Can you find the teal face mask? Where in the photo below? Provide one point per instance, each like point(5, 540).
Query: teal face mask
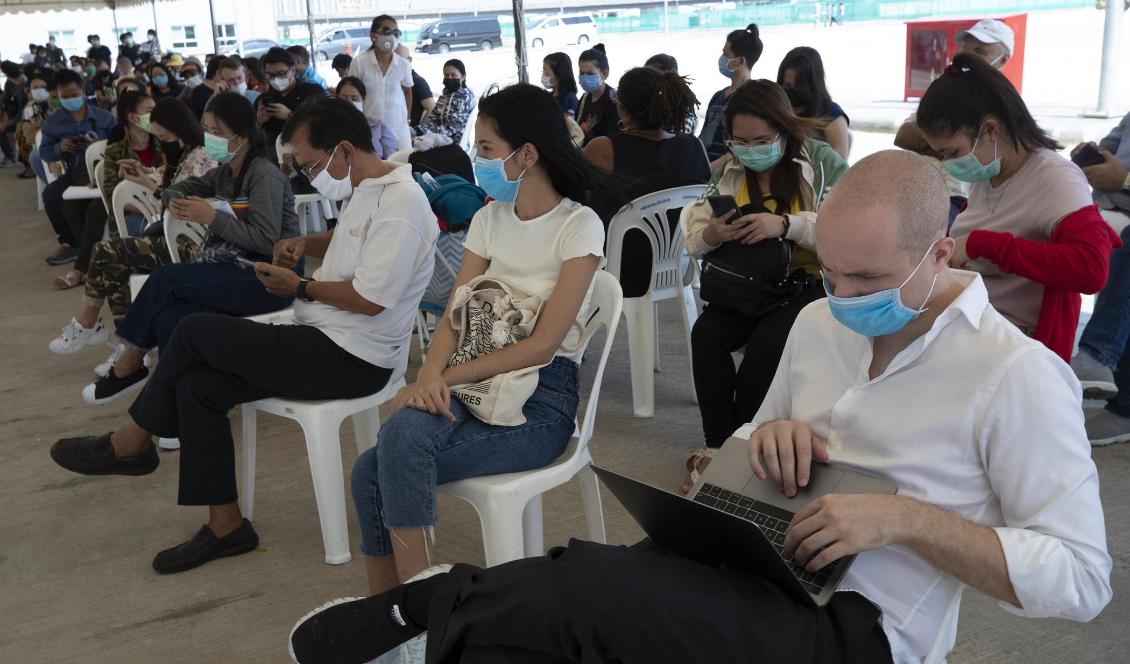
point(967, 168)
point(216, 147)
point(880, 313)
point(758, 158)
point(73, 104)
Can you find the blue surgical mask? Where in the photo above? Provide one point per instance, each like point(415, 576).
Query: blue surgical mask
point(880, 313)
point(491, 174)
point(724, 65)
point(216, 147)
point(73, 104)
point(759, 158)
point(252, 95)
point(590, 82)
point(160, 80)
point(969, 169)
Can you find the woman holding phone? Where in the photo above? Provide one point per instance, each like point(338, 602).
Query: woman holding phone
point(772, 167)
point(255, 209)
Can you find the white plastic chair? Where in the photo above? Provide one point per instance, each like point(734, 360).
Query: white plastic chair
point(947, 633)
point(466, 141)
point(427, 312)
point(40, 185)
point(672, 277)
point(509, 505)
point(94, 153)
point(321, 425)
point(131, 193)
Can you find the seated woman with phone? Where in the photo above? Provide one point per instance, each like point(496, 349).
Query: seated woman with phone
point(1031, 229)
point(755, 233)
point(181, 143)
point(261, 213)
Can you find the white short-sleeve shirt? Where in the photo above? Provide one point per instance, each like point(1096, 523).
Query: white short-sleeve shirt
point(384, 243)
point(1028, 205)
point(530, 253)
point(384, 94)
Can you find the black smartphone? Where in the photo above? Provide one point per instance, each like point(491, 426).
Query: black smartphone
point(1088, 155)
point(721, 205)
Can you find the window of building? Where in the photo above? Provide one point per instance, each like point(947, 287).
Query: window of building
point(64, 39)
point(225, 35)
point(184, 36)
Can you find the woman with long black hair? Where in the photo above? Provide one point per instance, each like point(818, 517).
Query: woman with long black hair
point(537, 178)
point(801, 74)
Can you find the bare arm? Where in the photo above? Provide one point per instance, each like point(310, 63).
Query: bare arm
point(342, 295)
point(316, 245)
point(909, 137)
point(836, 134)
point(407, 99)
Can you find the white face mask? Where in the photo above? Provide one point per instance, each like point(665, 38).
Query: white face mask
point(547, 81)
point(241, 88)
point(331, 187)
point(359, 105)
point(280, 83)
point(387, 43)
point(193, 81)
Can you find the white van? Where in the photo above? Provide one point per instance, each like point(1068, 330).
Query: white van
point(561, 29)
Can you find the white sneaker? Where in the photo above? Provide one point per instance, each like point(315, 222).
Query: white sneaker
point(75, 337)
point(103, 370)
point(168, 443)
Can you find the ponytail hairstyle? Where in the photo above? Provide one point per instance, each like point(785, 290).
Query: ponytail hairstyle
point(663, 62)
point(597, 56)
point(969, 91)
point(746, 44)
point(238, 114)
point(766, 100)
point(656, 100)
point(562, 68)
point(526, 114)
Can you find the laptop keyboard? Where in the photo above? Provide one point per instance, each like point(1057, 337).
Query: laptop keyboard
point(773, 522)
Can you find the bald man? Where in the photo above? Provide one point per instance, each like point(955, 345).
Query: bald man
point(905, 372)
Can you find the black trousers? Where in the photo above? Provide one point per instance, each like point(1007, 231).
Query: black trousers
point(213, 363)
point(729, 398)
point(594, 603)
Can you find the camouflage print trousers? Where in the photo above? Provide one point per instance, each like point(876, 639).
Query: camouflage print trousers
point(115, 260)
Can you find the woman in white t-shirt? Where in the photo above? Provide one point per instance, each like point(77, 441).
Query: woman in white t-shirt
point(1030, 228)
point(533, 235)
point(388, 79)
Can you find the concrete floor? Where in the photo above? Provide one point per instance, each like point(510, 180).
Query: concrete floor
point(75, 577)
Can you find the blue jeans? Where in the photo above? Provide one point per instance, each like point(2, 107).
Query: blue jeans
point(394, 484)
point(172, 292)
point(53, 207)
point(1108, 330)
point(37, 166)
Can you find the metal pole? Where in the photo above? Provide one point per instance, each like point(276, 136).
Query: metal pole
point(1108, 79)
point(310, 28)
point(212, 18)
point(114, 14)
point(153, 4)
point(520, 41)
point(666, 20)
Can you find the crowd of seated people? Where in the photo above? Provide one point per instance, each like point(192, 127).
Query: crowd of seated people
point(849, 289)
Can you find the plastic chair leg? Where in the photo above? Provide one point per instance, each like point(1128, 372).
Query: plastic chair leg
point(533, 537)
point(366, 426)
point(594, 511)
point(688, 307)
point(655, 337)
point(502, 531)
point(247, 505)
point(640, 316)
point(323, 446)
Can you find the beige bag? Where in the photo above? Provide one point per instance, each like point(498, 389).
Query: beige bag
point(488, 314)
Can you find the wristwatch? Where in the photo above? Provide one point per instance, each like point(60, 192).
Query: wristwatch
point(300, 291)
point(788, 223)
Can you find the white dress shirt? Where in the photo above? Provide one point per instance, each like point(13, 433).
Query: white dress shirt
point(973, 417)
point(384, 92)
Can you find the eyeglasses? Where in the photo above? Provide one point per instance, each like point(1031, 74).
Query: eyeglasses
point(746, 144)
point(389, 31)
point(309, 172)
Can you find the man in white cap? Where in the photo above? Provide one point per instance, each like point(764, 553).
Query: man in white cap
point(992, 41)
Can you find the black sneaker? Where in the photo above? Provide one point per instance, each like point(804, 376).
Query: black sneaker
point(110, 387)
point(94, 455)
point(65, 254)
point(205, 547)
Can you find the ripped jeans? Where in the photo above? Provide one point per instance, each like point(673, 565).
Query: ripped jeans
point(394, 484)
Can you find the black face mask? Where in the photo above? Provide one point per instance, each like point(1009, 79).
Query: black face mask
point(170, 147)
point(803, 103)
point(452, 84)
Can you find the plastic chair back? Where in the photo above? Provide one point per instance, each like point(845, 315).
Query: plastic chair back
point(100, 182)
point(649, 214)
point(94, 153)
point(467, 140)
point(131, 193)
point(176, 228)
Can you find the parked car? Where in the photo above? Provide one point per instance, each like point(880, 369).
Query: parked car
point(562, 29)
point(482, 34)
point(249, 48)
point(333, 42)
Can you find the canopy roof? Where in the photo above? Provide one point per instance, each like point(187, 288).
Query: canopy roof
point(13, 6)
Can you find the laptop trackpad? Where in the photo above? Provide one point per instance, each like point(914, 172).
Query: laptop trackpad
point(823, 480)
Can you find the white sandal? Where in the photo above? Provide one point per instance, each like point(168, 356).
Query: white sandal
point(695, 467)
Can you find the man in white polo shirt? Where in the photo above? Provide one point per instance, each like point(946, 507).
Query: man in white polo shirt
point(355, 319)
point(906, 372)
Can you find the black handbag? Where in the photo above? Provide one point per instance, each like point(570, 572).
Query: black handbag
point(751, 279)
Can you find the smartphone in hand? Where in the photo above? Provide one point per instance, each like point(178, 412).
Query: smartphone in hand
point(721, 205)
point(243, 262)
point(1088, 155)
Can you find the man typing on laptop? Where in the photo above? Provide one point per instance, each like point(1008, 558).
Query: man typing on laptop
point(905, 373)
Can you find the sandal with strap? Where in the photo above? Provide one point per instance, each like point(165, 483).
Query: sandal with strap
point(696, 465)
point(70, 280)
